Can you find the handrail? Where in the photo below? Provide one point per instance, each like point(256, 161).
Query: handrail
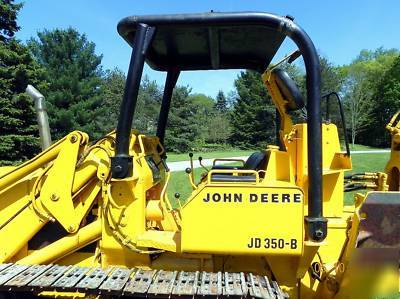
point(232, 172)
point(327, 96)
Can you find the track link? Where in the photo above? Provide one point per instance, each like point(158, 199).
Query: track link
point(139, 283)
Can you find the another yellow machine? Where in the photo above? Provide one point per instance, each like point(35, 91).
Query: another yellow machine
point(93, 218)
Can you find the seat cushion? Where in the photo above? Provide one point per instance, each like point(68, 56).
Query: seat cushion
point(251, 178)
point(255, 161)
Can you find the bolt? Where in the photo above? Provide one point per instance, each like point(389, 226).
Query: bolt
point(319, 234)
point(118, 168)
point(54, 197)
point(289, 17)
point(73, 138)
point(71, 228)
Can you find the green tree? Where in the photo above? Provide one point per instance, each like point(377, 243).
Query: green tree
point(331, 81)
point(148, 106)
point(18, 127)
point(253, 114)
point(182, 130)
point(331, 78)
point(8, 19)
point(112, 92)
point(74, 74)
point(221, 104)
point(204, 108)
point(359, 86)
point(386, 101)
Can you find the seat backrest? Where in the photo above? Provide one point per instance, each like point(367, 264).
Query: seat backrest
point(289, 90)
point(255, 161)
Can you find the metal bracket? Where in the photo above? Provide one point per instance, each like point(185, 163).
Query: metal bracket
point(317, 228)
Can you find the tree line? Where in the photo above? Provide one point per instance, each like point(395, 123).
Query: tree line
point(81, 95)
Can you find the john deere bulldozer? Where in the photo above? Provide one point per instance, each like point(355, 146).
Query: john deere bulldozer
point(93, 218)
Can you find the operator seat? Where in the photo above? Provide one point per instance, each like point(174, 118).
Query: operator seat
point(254, 162)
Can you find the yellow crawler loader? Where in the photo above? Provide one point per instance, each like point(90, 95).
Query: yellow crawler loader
point(93, 218)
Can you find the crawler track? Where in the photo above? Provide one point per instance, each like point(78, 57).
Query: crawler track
point(115, 281)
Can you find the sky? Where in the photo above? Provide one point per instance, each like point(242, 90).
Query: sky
point(339, 29)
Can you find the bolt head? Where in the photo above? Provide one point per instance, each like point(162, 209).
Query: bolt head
point(319, 233)
point(73, 138)
point(54, 197)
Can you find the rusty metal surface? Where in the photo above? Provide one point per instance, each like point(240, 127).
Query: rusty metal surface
point(162, 284)
point(115, 282)
point(210, 284)
point(92, 279)
point(71, 278)
point(380, 220)
point(49, 276)
point(278, 292)
point(137, 282)
point(234, 285)
point(259, 287)
point(186, 284)
point(4, 266)
point(10, 272)
point(27, 276)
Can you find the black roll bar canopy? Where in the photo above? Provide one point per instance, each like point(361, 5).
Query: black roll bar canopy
point(175, 43)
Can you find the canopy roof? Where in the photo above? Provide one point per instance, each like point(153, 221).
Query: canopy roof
point(208, 40)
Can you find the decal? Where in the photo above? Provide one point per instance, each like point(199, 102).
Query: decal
point(253, 197)
point(272, 243)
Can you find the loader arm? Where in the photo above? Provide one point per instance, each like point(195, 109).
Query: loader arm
point(49, 188)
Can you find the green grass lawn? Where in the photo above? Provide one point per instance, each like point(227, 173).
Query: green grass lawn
point(208, 155)
point(361, 163)
point(179, 182)
point(366, 163)
point(360, 147)
point(172, 157)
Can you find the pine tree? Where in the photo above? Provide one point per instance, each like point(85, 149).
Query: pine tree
point(147, 107)
point(8, 19)
point(253, 115)
point(18, 127)
point(112, 93)
point(74, 74)
point(221, 104)
point(182, 129)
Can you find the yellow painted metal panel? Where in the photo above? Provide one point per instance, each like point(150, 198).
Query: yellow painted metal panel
point(159, 239)
point(56, 192)
point(244, 220)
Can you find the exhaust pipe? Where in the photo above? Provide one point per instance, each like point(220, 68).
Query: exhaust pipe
point(41, 113)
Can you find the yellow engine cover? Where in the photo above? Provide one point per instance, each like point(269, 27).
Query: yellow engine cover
point(251, 219)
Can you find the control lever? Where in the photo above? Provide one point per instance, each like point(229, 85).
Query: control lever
point(201, 164)
point(163, 161)
point(191, 173)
